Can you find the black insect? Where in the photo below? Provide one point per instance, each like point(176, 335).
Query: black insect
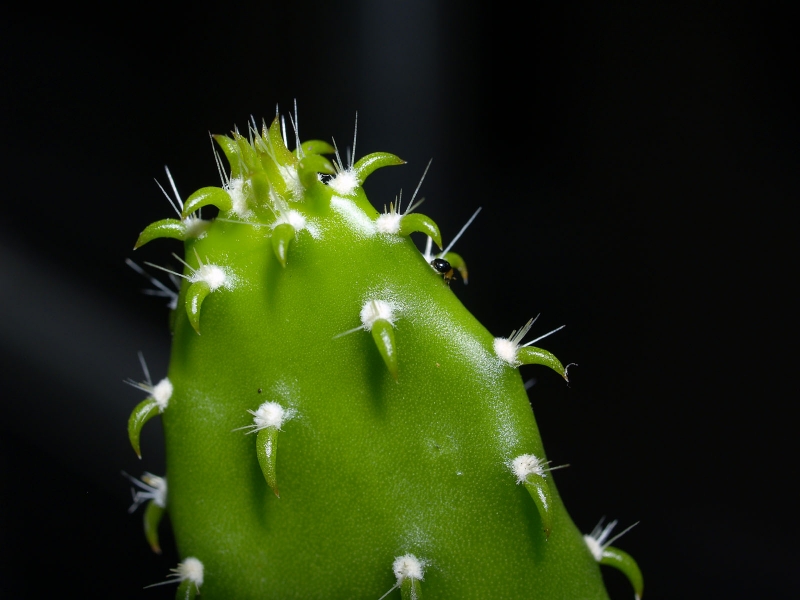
point(444, 269)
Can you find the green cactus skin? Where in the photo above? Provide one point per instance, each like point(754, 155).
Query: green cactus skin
point(337, 424)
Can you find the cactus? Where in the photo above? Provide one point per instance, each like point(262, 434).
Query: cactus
point(337, 424)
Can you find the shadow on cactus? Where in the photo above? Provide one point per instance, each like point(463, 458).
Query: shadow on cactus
point(337, 424)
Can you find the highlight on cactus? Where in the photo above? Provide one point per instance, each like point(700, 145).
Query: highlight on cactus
point(409, 454)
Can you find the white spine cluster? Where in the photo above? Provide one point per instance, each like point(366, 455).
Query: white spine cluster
point(598, 541)
point(345, 182)
point(527, 464)
point(151, 487)
point(388, 222)
point(190, 569)
point(235, 188)
point(269, 414)
point(160, 392)
point(213, 275)
point(507, 348)
point(293, 218)
point(292, 180)
point(374, 310)
point(408, 566)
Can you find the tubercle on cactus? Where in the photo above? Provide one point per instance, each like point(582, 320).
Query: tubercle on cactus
point(305, 316)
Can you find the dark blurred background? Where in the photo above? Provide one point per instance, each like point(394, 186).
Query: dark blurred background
point(635, 163)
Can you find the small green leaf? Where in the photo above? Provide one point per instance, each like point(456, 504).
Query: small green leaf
point(266, 450)
point(195, 295)
point(281, 154)
point(531, 355)
point(144, 411)
point(383, 334)
point(187, 590)
point(310, 147)
point(411, 589)
point(165, 228)
point(416, 222)
point(231, 150)
point(152, 517)
point(368, 164)
point(282, 235)
point(539, 489)
point(214, 196)
point(623, 561)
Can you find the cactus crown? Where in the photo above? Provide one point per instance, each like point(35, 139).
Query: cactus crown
point(306, 316)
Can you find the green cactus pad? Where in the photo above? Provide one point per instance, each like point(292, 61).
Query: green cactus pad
point(406, 418)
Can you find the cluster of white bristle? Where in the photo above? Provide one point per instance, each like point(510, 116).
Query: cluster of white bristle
point(374, 310)
point(160, 392)
point(151, 487)
point(269, 414)
point(527, 464)
point(407, 567)
point(507, 348)
point(598, 540)
point(190, 569)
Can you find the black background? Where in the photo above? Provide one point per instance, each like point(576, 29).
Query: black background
point(635, 164)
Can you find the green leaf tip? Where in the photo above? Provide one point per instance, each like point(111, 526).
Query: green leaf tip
point(266, 451)
point(268, 419)
point(179, 229)
point(189, 576)
point(409, 571)
point(509, 350)
point(144, 411)
point(383, 335)
point(530, 355)
point(281, 236)
point(599, 545)
point(207, 196)
point(153, 489)
point(411, 589)
point(195, 295)
point(367, 165)
point(153, 513)
point(624, 562)
point(531, 472)
point(378, 316)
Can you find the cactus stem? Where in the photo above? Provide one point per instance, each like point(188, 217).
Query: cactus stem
point(409, 571)
point(189, 574)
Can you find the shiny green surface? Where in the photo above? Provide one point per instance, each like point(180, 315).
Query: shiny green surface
point(401, 438)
